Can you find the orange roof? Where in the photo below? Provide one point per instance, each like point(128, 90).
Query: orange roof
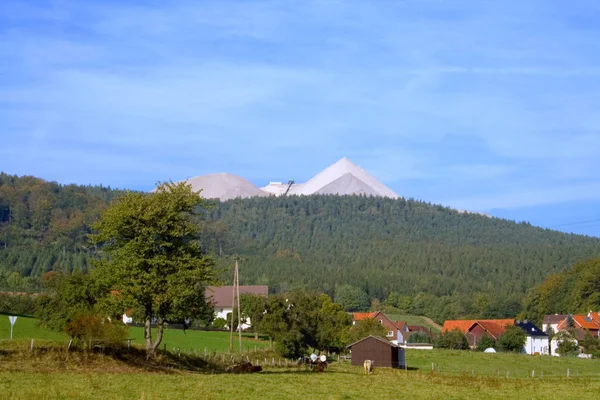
point(359, 316)
point(490, 325)
point(462, 325)
point(582, 321)
point(595, 316)
point(494, 329)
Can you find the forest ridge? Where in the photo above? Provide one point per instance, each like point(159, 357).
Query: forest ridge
point(409, 255)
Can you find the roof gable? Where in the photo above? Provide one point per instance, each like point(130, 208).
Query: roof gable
point(222, 296)
point(379, 338)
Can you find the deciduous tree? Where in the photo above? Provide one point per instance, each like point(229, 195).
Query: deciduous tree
point(155, 262)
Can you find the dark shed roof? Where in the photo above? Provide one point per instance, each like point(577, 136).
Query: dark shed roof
point(530, 328)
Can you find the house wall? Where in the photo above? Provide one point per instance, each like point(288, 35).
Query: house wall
point(536, 344)
point(221, 312)
point(383, 354)
point(476, 333)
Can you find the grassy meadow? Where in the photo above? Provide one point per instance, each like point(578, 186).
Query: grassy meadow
point(340, 381)
point(190, 340)
point(52, 371)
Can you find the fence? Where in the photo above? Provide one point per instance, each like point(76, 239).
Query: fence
point(507, 373)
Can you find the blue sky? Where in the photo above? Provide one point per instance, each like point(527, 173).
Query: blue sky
point(489, 106)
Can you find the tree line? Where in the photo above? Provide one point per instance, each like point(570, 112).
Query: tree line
point(400, 255)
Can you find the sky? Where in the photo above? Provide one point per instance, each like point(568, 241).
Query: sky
point(488, 106)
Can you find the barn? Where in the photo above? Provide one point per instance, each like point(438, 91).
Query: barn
point(378, 349)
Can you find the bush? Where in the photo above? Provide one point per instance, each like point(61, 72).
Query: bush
point(419, 337)
point(92, 330)
point(512, 340)
point(486, 342)
point(453, 340)
point(567, 346)
point(220, 323)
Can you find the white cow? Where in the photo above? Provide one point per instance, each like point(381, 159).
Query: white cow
point(368, 364)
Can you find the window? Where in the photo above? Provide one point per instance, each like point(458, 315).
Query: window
point(390, 334)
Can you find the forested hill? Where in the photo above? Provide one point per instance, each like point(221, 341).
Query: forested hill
point(443, 262)
point(415, 257)
point(44, 227)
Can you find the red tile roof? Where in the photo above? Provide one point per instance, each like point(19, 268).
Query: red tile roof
point(462, 325)
point(223, 296)
point(494, 326)
point(359, 316)
point(400, 325)
point(581, 321)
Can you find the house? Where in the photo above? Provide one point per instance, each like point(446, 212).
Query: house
point(552, 321)
point(222, 298)
point(537, 341)
point(588, 322)
point(474, 330)
point(397, 331)
point(383, 352)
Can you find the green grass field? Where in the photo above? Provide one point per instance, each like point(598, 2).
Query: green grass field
point(199, 340)
point(338, 382)
point(53, 372)
point(27, 328)
point(459, 362)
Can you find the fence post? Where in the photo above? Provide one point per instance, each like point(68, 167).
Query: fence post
point(31, 349)
point(432, 367)
point(69, 346)
point(533, 373)
point(507, 374)
point(568, 372)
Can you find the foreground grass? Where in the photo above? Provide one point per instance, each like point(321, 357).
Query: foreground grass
point(500, 364)
point(339, 382)
point(53, 372)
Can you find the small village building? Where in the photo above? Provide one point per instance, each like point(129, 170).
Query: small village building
point(221, 298)
point(552, 321)
point(537, 341)
point(475, 330)
point(391, 328)
point(397, 332)
point(384, 353)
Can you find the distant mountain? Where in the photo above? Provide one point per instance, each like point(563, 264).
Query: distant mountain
point(341, 178)
point(224, 186)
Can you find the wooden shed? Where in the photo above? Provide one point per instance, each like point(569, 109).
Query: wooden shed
point(378, 349)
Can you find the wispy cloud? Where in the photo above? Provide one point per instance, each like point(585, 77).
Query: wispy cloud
point(476, 104)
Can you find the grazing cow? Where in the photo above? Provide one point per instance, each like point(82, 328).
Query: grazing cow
point(368, 364)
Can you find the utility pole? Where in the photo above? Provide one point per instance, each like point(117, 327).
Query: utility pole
point(235, 301)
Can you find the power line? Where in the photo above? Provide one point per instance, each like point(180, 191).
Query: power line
point(575, 223)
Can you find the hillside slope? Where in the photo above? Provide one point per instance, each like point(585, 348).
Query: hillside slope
point(434, 260)
point(387, 245)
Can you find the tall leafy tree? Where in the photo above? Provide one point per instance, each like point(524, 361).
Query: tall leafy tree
point(155, 262)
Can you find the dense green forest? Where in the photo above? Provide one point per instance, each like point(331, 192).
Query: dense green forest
point(410, 255)
point(44, 227)
point(576, 290)
point(405, 255)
